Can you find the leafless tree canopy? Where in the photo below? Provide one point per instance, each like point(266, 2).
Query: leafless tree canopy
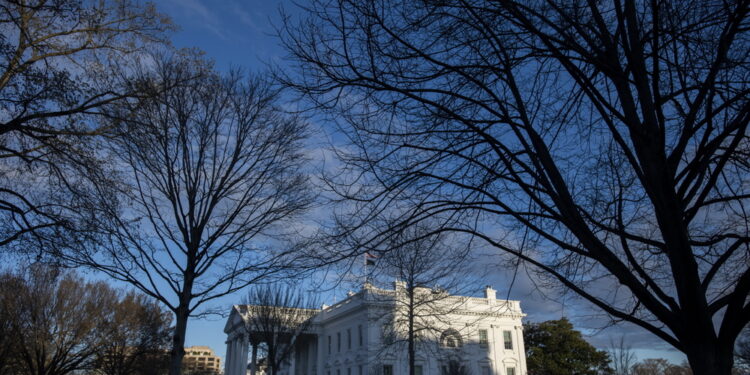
point(659, 366)
point(61, 63)
point(211, 170)
point(428, 267)
point(603, 143)
point(277, 317)
point(55, 323)
point(135, 337)
point(622, 356)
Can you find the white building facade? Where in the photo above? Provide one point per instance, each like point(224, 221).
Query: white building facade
point(365, 335)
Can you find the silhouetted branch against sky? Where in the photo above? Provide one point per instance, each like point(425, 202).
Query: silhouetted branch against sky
point(278, 316)
point(210, 173)
point(609, 142)
point(61, 64)
point(430, 272)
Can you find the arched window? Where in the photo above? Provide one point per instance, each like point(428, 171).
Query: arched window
point(451, 339)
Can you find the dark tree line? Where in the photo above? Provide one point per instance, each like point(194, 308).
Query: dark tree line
point(604, 144)
point(55, 323)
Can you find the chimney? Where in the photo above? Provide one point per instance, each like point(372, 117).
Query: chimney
point(490, 293)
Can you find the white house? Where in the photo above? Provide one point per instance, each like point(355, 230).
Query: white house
point(354, 337)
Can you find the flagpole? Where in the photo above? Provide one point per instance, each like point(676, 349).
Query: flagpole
point(367, 273)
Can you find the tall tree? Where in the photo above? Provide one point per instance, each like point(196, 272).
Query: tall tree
point(212, 169)
point(555, 348)
point(604, 144)
point(61, 63)
point(277, 316)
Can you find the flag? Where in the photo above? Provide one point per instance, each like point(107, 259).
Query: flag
point(370, 259)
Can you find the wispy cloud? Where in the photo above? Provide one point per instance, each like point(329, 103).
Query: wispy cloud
point(202, 14)
point(249, 19)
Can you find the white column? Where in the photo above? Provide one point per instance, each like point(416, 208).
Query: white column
point(293, 361)
point(237, 356)
point(238, 365)
point(228, 357)
point(321, 352)
point(243, 354)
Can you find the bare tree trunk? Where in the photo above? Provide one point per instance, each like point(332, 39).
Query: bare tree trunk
point(178, 340)
point(411, 350)
point(270, 361)
point(707, 358)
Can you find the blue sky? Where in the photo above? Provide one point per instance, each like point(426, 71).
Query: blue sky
point(238, 33)
point(232, 32)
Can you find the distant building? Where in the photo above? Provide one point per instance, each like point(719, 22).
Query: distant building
point(201, 360)
point(355, 337)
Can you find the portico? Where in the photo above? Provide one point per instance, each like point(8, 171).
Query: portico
point(350, 338)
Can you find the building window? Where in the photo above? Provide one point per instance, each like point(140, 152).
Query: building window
point(329, 344)
point(417, 370)
point(387, 335)
point(338, 342)
point(348, 371)
point(483, 340)
point(360, 369)
point(451, 339)
point(508, 338)
point(348, 338)
point(338, 372)
point(486, 370)
point(361, 337)
point(510, 371)
point(454, 367)
point(451, 342)
point(387, 369)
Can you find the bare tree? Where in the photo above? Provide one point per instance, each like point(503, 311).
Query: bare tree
point(427, 266)
point(56, 326)
point(212, 171)
point(61, 63)
point(602, 143)
point(622, 357)
point(659, 366)
point(277, 316)
point(136, 334)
